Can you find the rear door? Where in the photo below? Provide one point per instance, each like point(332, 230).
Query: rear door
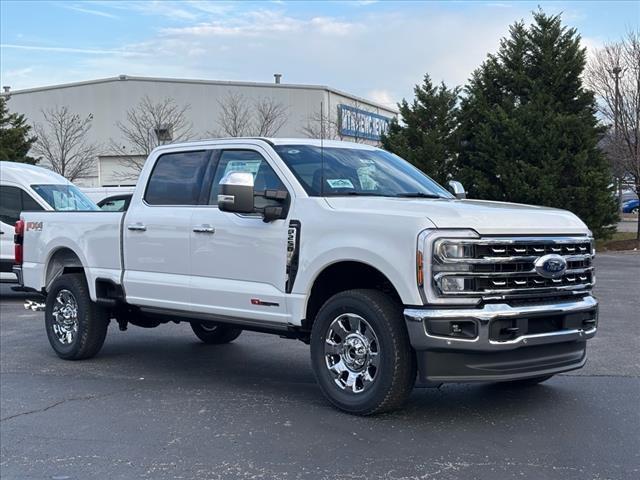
point(238, 262)
point(13, 201)
point(157, 231)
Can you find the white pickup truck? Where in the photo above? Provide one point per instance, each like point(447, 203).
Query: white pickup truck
point(390, 278)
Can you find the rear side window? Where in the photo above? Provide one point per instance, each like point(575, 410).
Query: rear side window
point(14, 200)
point(176, 178)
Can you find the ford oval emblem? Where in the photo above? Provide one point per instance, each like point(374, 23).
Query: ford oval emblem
point(551, 266)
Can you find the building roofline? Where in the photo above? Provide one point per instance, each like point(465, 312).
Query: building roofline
point(231, 83)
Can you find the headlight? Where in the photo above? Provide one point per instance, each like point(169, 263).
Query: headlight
point(441, 252)
point(456, 250)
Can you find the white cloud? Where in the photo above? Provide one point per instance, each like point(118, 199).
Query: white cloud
point(383, 97)
point(378, 54)
point(89, 11)
point(88, 51)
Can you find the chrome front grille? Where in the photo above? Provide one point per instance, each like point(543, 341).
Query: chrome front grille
point(506, 267)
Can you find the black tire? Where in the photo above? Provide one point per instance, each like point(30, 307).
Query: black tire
point(527, 382)
point(215, 334)
point(91, 323)
point(394, 376)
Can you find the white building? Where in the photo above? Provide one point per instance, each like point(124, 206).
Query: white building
point(108, 100)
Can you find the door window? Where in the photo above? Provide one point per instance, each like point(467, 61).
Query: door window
point(264, 177)
point(14, 200)
point(176, 178)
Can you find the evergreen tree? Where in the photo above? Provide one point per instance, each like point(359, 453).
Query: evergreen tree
point(528, 128)
point(427, 138)
point(15, 141)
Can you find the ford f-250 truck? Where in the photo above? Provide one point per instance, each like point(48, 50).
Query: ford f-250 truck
point(390, 278)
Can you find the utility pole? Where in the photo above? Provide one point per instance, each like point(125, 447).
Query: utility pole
point(616, 71)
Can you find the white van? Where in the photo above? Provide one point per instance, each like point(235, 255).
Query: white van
point(29, 188)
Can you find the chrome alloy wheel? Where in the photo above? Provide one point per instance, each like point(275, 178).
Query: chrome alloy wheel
point(65, 314)
point(352, 352)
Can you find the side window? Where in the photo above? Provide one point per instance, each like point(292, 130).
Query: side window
point(176, 178)
point(29, 204)
point(10, 204)
point(264, 177)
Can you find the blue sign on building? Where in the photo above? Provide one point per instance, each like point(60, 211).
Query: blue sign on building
point(358, 123)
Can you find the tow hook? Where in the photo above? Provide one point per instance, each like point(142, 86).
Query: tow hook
point(34, 306)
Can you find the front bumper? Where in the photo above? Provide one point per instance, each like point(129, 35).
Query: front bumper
point(499, 342)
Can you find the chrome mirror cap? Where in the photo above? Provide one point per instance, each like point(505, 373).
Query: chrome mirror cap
point(238, 178)
point(457, 189)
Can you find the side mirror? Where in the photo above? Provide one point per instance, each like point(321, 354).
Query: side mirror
point(236, 193)
point(457, 189)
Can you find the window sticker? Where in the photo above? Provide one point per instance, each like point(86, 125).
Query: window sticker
point(250, 166)
point(340, 183)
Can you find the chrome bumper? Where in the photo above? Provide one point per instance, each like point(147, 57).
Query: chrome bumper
point(417, 320)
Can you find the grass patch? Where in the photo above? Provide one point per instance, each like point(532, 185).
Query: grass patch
point(619, 241)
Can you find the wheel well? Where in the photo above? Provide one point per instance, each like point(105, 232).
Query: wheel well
point(62, 261)
point(342, 276)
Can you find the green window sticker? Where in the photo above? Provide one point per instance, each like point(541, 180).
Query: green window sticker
point(340, 183)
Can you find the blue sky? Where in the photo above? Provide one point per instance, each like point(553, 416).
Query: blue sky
point(375, 49)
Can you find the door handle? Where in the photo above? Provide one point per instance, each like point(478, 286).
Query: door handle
point(137, 227)
point(204, 229)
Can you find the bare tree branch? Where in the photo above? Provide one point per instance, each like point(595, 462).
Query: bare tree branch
point(63, 144)
point(620, 106)
point(239, 117)
point(148, 125)
point(621, 146)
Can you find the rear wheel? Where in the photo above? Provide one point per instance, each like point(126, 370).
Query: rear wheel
point(361, 354)
point(212, 333)
point(76, 326)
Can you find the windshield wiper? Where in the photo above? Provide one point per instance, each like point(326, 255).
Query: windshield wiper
point(418, 195)
point(357, 194)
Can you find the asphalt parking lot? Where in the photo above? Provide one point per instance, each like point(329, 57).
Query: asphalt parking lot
point(158, 404)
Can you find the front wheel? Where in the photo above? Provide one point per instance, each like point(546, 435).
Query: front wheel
point(212, 333)
point(360, 352)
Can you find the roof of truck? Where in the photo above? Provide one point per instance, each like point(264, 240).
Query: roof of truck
point(274, 141)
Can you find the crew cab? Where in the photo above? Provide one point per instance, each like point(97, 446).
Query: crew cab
point(391, 279)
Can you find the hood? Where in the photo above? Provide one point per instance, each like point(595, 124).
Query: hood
point(485, 217)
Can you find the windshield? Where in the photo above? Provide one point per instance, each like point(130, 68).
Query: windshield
point(353, 171)
point(64, 197)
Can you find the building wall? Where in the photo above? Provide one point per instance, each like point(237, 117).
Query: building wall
point(108, 101)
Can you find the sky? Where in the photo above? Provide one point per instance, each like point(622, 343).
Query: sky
point(375, 49)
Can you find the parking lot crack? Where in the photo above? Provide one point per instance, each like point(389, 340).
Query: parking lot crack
point(61, 402)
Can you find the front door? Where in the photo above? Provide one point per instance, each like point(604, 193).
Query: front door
point(238, 262)
point(157, 232)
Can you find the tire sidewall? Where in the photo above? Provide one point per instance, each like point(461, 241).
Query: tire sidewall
point(67, 282)
point(345, 400)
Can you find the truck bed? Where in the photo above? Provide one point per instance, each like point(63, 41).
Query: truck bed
point(94, 236)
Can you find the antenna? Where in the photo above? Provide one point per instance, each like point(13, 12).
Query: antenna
point(321, 149)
